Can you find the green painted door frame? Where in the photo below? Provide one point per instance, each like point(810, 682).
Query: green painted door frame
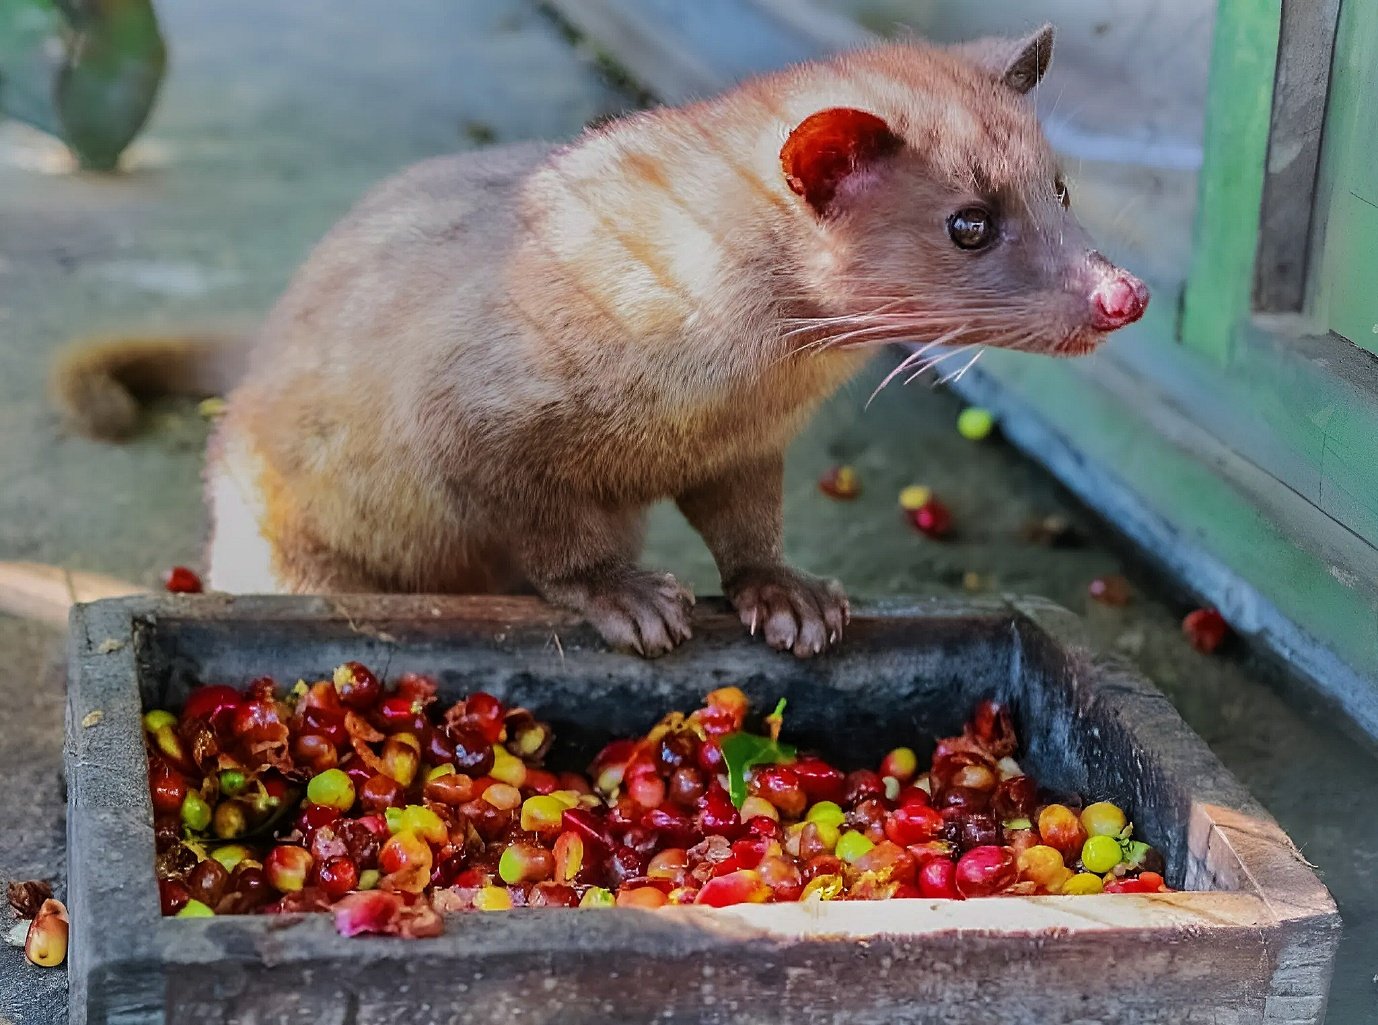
point(1239, 109)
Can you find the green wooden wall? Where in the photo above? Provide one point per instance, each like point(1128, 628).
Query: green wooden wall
point(1349, 289)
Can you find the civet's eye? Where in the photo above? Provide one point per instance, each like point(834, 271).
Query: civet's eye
point(972, 227)
point(1063, 196)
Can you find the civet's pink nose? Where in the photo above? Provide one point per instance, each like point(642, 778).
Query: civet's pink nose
point(1118, 300)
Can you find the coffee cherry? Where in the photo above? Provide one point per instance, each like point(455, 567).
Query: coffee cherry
point(492, 898)
point(172, 895)
point(381, 792)
point(452, 788)
point(781, 786)
point(862, 785)
point(338, 876)
point(758, 808)
point(402, 758)
point(1042, 865)
point(1206, 630)
point(646, 790)
point(1082, 883)
point(1060, 828)
point(214, 703)
point(597, 897)
point(841, 482)
point(914, 496)
point(196, 813)
point(851, 845)
point(826, 813)
point(1103, 819)
point(525, 863)
point(208, 881)
point(406, 860)
point(473, 753)
point(507, 767)
point(569, 856)
point(716, 814)
point(933, 519)
point(287, 867)
point(1015, 798)
point(890, 861)
point(332, 789)
point(358, 688)
point(641, 897)
point(1111, 590)
point(668, 864)
point(675, 751)
point(821, 781)
point(168, 787)
point(742, 887)
point(938, 879)
point(1100, 854)
point(486, 714)
point(975, 423)
point(180, 580)
point(661, 829)
point(984, 871)
point(901, 763)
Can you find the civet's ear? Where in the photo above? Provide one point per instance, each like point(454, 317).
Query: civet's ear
point(1018, 63)
point(831, 146)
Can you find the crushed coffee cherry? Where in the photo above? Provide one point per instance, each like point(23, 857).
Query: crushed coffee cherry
point(841, 482)
point(1205, 630)
point(932, 519)
point(1113, 590)
point(1053, 532)
point(45, 942)
point(180, 580)
point(27, 896)
point(386, 807)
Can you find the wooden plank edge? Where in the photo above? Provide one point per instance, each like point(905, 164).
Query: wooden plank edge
point(1253, 852)
point(46, 593)
point(512, 611)
point(1040, 919)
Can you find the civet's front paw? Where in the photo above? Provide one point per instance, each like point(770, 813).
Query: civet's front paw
point(794, 611)
point(644, 612)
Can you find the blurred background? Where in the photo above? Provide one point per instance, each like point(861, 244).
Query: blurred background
point(168, 165)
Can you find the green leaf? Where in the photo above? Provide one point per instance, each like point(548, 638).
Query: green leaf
point(742, 751)
point(107, 87)
point(87, 71)
point(1134, 852)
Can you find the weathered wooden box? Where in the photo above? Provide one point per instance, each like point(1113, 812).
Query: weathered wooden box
point(1254, 944)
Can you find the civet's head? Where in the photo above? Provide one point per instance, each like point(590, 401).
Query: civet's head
point(938, 207)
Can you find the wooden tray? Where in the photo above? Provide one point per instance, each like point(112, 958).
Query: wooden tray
point(1256, 944)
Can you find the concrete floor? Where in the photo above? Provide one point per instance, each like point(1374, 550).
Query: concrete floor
point(274, 119)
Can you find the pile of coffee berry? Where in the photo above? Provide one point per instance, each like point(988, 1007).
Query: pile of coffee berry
point(386, 807)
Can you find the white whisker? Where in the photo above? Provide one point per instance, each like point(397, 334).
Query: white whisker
point(954, 378)
point(942, 358)
point(911, 359)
